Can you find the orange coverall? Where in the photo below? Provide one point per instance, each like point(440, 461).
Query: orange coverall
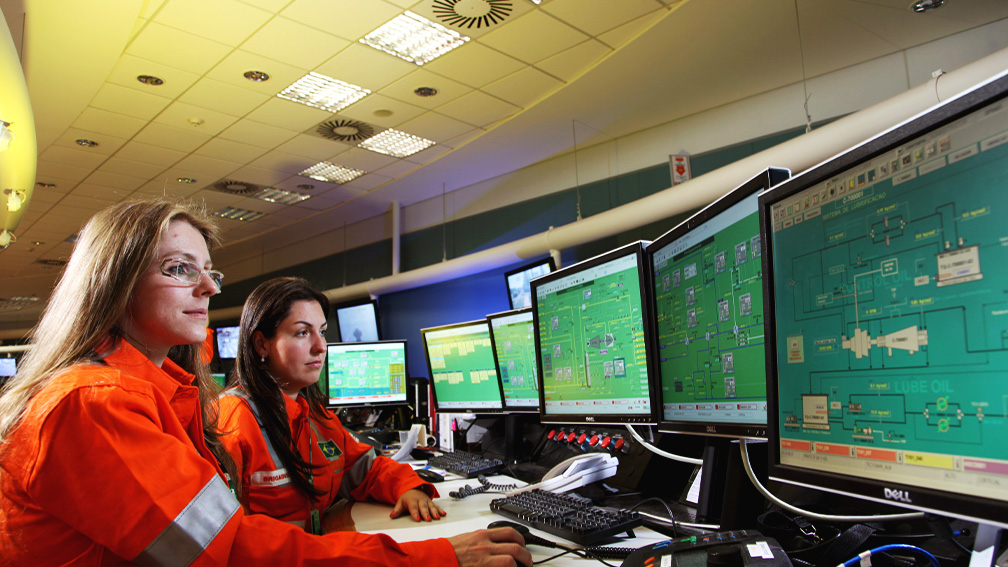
point(346, 468)
point(108, 466)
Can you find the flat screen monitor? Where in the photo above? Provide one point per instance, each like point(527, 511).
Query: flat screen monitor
point(227, 341)
point(707, 285)
point(366, 373)
point(519, 281)
point(512, 334)
point(593, 336)
point(462, 371)
point(885, 272)
point(8, 367)
point(358, 322)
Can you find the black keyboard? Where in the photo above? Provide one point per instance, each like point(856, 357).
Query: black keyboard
point(572, 518)
point(464, 463)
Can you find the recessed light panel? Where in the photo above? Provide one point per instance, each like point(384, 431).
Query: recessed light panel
point(323, 92)
point(395, 143)
point(414, 38)
point(284, 197)
point(325, 171)
point(234, 213)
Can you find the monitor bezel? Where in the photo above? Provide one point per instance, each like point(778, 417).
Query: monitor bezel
point(430, 372)
point(357, 303)
point(761, 182)
point(955, 504)
point(217, 336)
point(500, 376)
point(643, 273)
point(548, 260)
point(363, 404)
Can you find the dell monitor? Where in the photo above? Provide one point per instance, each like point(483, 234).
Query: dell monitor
point(512, 334)
point(593, 336)
point(707, 285)
point(460, 361)
point(885, 273)
point(227, 342)
point(365, 373)
point(358, 321)
point(519, 281)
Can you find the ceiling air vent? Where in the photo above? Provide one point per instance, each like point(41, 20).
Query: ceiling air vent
point(52, 262)
point(472, 14)
point(342, 130)
point(236, 187)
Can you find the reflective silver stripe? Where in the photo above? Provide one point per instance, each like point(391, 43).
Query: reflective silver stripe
point(262, 429)
point(193, 529)
point(355, 475)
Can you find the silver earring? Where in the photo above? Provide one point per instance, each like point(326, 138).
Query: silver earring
point(262, 358)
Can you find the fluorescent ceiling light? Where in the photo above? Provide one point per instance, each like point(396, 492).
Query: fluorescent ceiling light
point(323, 92)
point(282, 196)
point(395, 143)
point(414, 38)
point(235, 213)
point(325, 171)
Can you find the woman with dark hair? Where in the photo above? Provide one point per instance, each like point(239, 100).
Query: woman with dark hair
point(108, 440)
point(294, 457)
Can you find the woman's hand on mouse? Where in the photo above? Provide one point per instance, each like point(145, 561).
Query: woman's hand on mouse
point(419, 505)
point(499, 547)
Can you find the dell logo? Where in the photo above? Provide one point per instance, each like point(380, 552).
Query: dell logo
point(711, 429)
point(589, 418)
point(898, 495)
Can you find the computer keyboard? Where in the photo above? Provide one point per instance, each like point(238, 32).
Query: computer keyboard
point(572, 518)
point(464, 463)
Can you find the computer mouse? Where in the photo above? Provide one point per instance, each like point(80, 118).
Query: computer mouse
point(530, 538)
point(429, 475)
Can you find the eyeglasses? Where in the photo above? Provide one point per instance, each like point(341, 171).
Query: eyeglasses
point(188, 272)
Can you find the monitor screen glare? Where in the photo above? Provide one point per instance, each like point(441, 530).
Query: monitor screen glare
point(357, 323)
point(366, 373)
point(227, 341)
point(513, 335)
point(8, 367)
point(520, 283)
point(462, 370)
point(592, 340)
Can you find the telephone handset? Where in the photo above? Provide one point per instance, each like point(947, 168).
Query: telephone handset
point(575, 472)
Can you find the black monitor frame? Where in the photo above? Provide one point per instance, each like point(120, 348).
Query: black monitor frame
point(500, 373)
point(473, 409)
point(332, 403)
point(357, 303)
point(966, 506)
point(753, 428)
point(547, 261)
point(635, 249)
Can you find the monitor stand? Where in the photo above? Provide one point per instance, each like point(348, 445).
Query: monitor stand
point(985, 546)
point(514, 436)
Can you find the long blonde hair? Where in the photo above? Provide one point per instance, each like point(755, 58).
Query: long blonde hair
point(79, 324)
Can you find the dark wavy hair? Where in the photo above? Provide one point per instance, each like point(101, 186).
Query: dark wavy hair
point(266, 307)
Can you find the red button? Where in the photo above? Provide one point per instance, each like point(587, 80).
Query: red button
point(551, 434)
point(606, 441)
point(593, 441)
point(582, 437)
point(618, 443)
point(571, 436)
point(561, 435)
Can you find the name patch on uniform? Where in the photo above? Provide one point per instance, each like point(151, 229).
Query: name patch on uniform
point(278, 477)
point(330, 449)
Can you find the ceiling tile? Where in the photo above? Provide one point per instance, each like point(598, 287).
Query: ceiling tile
point(475, 65)
point(288, 114)
point(552, 37)
point(370, 110)
point(368, 182)
point(568, 65)
point(294, 43)
point(365, 67)
point(147, 153)
point(230, 150)
point(365, 160)
point(105, 122)
point(64, 175)
point(183, 140)
point(232, 70)
point(525, 87)
point(287, 163)
point(177, 48)
point(206, 168)
point(595, 17)
point(259, 176)
point(124, 184)
point(131, 102)
point(207, 122)
point(312, 147)
point(478, 108)
point(349, 19)
point(618, 36)
point(404, 88)
point(223, 97)
point(129, 67)
point(106, 192)
point(257, 134)
point(167, 187)
point(72, 156)
point(398, 169)
point(224, 21)
point(117, 164)
point(435, 126)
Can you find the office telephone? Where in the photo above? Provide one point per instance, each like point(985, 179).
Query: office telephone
point(575, 472)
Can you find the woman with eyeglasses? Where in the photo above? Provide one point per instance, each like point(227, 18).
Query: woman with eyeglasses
point(294, 457)
point(109, 448)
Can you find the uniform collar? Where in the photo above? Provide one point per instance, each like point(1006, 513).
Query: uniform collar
point(296, 409)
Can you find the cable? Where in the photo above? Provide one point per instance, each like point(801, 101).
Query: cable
point(658, 451)
point(861, 558)
point(812, 515)
point(667, 509)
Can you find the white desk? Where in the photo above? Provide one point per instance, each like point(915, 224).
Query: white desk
point(469, 514)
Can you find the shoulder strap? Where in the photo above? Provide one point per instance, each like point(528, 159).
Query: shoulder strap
point(239, 393)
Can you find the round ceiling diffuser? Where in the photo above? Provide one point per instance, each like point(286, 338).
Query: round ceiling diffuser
point(472, 13)
point(235, 187)
point(345, 130)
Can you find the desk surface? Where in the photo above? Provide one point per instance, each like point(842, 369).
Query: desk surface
point(469, 514)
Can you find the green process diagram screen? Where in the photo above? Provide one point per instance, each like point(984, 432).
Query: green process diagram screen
point(462, 367)
point(515, 345)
